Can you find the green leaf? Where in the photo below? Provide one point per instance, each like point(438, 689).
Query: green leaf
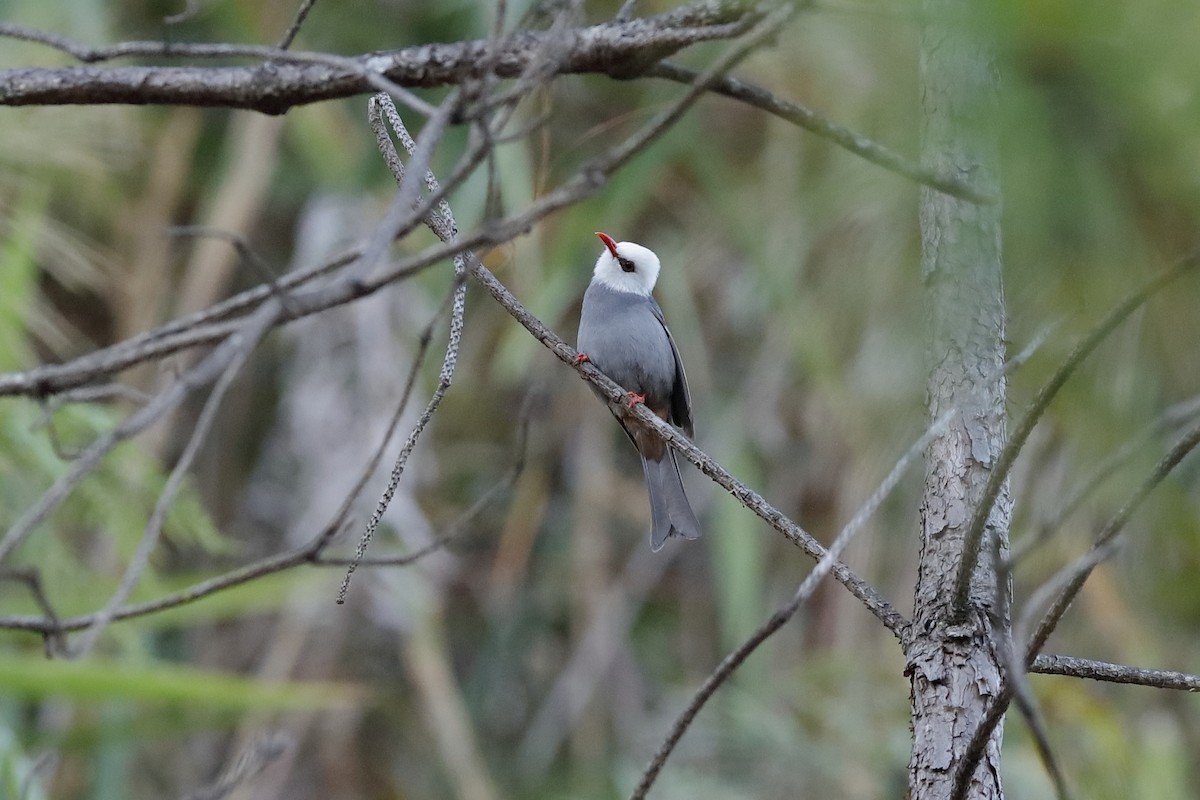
point(102, 680)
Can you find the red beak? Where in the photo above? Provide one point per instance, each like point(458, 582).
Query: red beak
point(608, 242)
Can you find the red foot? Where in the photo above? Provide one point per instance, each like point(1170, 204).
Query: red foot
point(635, 398)
point(582, 358)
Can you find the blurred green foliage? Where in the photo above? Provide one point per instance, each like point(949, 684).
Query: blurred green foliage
point(790, 279)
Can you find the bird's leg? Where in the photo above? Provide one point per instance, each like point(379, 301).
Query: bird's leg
point(582, 358)
point(635, 398)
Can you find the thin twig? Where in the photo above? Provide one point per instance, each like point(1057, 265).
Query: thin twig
point(53, 635)
point(234, 353)
point(1066, 585)
point(973, 538)
point(1171, 418)
point(447, 231)
point(875, 603)
point(289, 35)
point(731, 662)
point(817, 124)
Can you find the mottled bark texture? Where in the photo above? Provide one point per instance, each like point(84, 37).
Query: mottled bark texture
point(954, 667)
point(621, 49)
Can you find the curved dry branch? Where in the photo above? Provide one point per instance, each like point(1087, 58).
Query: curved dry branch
point(1064, 586)
point(973, 539)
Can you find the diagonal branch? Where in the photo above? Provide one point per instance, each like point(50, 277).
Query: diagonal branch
point(201, 375)
point(781, 616)
point(444, 226)
point(212, 325)
point(237, 350)
point(870, 597)
point(816, 124)
point(1065, 585)
point(973, 539)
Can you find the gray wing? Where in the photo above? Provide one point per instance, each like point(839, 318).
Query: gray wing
point(681, 396)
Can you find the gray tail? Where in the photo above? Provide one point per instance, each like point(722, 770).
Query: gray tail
point(670, 512)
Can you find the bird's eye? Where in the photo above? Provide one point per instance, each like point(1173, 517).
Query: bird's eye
point(626, 264)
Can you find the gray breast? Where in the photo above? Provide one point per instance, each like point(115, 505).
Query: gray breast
point(624, 338)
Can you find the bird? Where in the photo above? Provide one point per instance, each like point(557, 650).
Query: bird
point(623, 334)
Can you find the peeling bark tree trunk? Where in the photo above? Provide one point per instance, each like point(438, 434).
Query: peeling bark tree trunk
point(954, 668)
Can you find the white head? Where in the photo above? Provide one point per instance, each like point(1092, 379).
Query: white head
point(626, 267)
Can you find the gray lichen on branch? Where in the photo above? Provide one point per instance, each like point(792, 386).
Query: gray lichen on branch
point(287, 79)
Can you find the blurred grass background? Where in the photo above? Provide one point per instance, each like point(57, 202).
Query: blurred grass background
point(545, 652)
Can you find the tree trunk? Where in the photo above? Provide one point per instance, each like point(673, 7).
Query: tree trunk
point(954, 668)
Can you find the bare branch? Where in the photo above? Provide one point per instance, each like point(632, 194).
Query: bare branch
point(198, 329)
point(973, 539)
point(622, 49)
point(875, 603)
point(290, 34)
point(239, 347)
point(731, 662)
point(447, 230)
point(55, 644)
point(265, 750)
point(1066, 583)
point(1073, 667)
point(814, 123)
